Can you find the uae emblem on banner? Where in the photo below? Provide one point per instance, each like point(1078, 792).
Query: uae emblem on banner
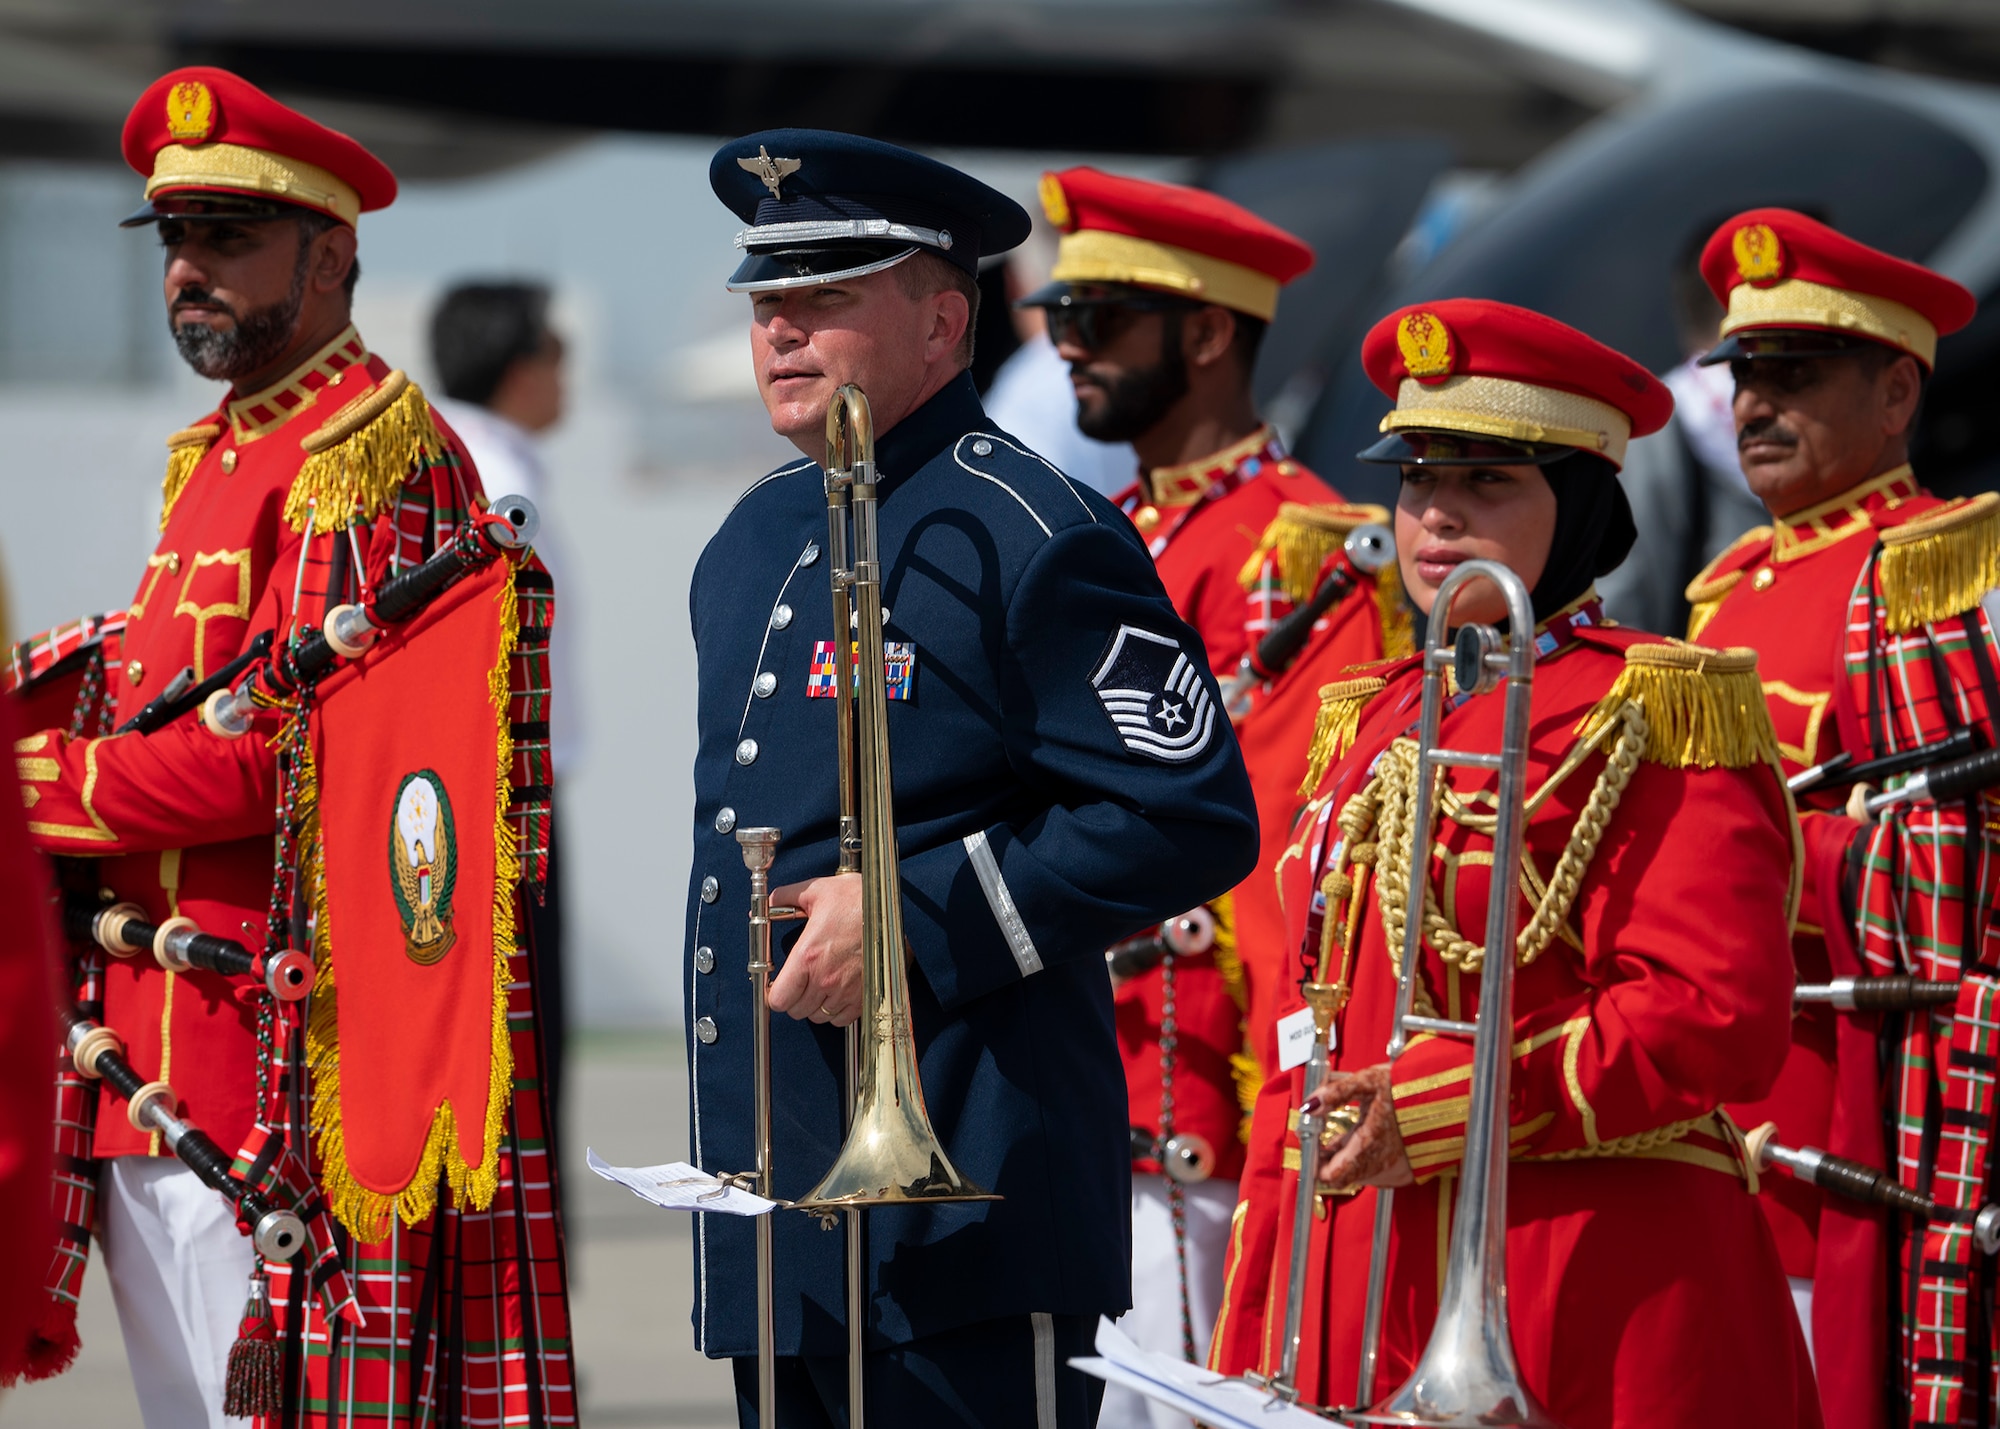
point(413, 889)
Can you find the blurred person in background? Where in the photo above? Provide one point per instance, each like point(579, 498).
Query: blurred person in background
point(1158, 298)
point(501, 366)
point(1686, 485)
point(1871, 605)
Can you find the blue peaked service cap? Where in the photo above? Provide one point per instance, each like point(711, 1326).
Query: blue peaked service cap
point(824, 206)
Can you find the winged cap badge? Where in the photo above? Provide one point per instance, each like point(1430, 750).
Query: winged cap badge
point(772, 171)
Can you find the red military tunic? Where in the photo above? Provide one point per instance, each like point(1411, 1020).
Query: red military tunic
point(1203, 521)
point(1789, 592)
point(181, 821)
point(1643, 1286)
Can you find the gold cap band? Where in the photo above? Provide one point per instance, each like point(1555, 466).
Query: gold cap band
point(1090, 255)
point(245, 170)
point(1512, 411)
point(1797, 303)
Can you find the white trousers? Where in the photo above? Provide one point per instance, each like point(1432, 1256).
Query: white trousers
point(1154, 1321)
point(180, 1272)
point(1802, 1289)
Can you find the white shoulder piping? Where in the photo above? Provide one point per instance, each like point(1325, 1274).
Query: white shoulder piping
point(1054, 470)
point(770, 477)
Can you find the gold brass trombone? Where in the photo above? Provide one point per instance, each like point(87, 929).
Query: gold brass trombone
point(891, 1155)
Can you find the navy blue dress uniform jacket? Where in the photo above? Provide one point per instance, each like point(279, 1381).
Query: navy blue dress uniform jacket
point(1063, 777)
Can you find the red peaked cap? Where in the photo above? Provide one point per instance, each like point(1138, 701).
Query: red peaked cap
point(1489, 339)
point(1811, 252)
point(1193, 219)
point(242, 115)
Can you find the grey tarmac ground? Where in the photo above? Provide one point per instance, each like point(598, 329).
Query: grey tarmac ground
point(631, 1268)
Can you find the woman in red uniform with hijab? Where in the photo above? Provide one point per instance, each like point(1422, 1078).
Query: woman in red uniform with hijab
point(1653, 977)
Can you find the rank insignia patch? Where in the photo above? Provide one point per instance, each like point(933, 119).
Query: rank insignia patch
point(423, 853)
point(1155, 696)
point(899, 670)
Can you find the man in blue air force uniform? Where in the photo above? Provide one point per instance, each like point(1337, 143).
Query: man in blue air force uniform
point(1063, 777)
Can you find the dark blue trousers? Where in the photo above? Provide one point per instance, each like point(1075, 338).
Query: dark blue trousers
point(998, 1374)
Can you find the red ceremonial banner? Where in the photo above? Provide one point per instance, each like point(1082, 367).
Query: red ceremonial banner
point(414, 911)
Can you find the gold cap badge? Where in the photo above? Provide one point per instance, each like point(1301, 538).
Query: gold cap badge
point(190, 112)
point(772, 171)
point(1055, 203)
point(1426, 345)
point(1760, 258)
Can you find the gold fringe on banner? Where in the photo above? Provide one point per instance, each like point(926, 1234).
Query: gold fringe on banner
point(365, 1213)
point(1303, 537)
point(1940, 564)
point(1340, 706)
point(359, 458)
point(185, 449)
point(1249, 1078)
point(1227, 962)
point(1705, 707)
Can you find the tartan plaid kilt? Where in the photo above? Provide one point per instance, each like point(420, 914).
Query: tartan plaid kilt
point(465, 1315)
point(1925, 906)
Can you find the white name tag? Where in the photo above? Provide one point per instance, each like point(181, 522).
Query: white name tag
point(1295, 1039)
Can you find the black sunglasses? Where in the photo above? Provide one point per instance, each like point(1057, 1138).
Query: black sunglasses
point(1095, 325)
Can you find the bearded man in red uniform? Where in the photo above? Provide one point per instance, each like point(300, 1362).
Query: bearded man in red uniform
point(1159, 298)
point(1869, 601)
point(321, 471)
point(1653, 982)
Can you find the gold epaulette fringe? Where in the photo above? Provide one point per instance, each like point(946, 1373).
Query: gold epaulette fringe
point(1249, 1078)
point(359, 458)
point(1940, 565)
point(1303, 537)
point(1340, 706)
point(185, 449)
point(1399, 631)
point(1227, 963)
point(1705, 708)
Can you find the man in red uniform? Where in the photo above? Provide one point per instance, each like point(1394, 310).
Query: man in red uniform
point(321, 470)
point(1651, 981)
point(1159, 298)
point(1868, 602)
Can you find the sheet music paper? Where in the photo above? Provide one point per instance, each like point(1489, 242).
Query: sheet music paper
point(680, 1187)
point(1192, 1389)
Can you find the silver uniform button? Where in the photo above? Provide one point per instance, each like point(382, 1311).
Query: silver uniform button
point(746, 752)
point(781, 617)
point(704, 960)
point(763, 685)
point(704, 1030)
point(809, 555)
point(725, 820)
point(710, 889)
point(982, 447)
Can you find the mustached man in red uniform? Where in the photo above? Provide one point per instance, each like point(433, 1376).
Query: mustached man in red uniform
point(1653, 980)
point(1159, 299)
point(1870, 604)
point(322, 466)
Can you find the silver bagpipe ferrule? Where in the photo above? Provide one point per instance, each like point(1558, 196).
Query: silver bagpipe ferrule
point(349, 631)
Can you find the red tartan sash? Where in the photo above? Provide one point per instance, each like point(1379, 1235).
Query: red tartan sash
point(33, 658)
point(1925, 907)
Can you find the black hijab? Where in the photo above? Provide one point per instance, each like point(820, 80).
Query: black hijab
point(1594, 529)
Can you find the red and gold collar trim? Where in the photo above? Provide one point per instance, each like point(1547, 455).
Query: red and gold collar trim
point(1848, 514)
point(1184, 485)
point(261, 413)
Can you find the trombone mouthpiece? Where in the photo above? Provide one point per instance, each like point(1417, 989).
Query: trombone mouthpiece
point(760, 847)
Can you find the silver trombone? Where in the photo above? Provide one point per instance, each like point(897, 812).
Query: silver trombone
point(1467, 1375)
